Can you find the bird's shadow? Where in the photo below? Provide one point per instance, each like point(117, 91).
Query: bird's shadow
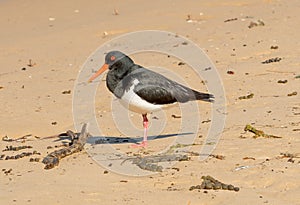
point(124, 140)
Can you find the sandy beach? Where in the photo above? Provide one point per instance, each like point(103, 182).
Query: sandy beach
point(252, 44)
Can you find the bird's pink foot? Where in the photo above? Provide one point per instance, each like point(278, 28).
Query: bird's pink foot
point(142, 144)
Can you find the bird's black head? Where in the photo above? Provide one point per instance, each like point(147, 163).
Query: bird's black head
point(117, 62)
point(117, 59)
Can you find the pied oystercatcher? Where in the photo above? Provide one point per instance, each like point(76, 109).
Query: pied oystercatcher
point(142, 90)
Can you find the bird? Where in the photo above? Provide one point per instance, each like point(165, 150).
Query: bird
point(142, 90)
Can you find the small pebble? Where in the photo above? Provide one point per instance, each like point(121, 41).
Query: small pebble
point(236, 189)
point(291, 94)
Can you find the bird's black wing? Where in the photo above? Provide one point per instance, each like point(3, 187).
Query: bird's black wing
point(155, 94)
point(157, 89)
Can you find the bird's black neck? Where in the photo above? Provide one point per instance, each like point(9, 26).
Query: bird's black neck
point(116, 74)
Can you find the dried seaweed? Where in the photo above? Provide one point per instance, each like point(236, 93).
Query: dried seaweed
point(232, 19)
point(12, 148)
point(76, 145)
point(290, 156)
point(211, 183)
point(258, 133)
point(147, 163)
point(23, 154)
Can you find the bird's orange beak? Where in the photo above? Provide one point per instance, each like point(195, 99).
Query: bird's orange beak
point(99, 72)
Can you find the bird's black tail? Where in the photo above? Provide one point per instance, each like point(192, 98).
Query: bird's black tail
point(203, 96)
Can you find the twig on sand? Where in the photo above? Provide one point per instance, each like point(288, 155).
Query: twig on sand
point(76, 145)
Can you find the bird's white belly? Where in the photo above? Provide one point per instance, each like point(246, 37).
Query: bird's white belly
point(136, 104)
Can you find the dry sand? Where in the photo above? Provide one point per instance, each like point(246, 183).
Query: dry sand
point(59, 36)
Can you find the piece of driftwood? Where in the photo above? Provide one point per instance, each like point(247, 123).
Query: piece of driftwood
point(78, 141)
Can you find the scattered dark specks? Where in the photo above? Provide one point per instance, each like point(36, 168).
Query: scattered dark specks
point(6, 172)
point(282, 81)
point(274, 47)
point(292, 94)
point(231, 19)
point(230, 72)
point(66, 92)
point(272, 60)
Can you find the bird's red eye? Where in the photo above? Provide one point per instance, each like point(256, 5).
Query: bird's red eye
point(112, 58)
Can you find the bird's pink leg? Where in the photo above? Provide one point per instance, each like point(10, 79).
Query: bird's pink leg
point(145, 124)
